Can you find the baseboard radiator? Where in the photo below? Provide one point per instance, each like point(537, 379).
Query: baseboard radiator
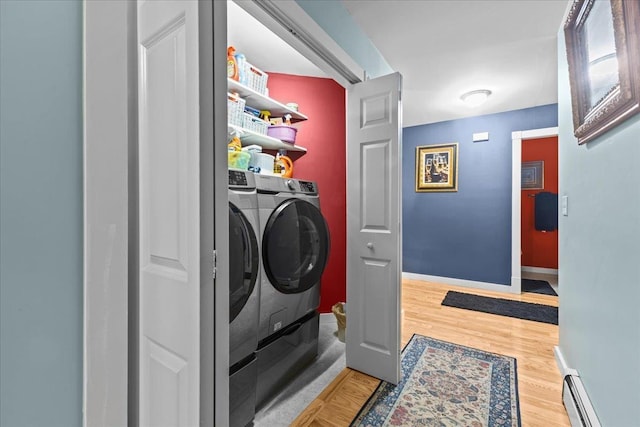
point(577, 403)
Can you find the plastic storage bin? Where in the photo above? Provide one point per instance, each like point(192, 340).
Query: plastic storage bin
point(283, 133)
point(238, 159)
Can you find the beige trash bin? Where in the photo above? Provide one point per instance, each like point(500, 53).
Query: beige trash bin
point(339, 311)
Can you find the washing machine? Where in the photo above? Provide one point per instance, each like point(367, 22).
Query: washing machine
point(244, 296)
point(295, 249)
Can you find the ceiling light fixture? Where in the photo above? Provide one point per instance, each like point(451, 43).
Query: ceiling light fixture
point(475, 97)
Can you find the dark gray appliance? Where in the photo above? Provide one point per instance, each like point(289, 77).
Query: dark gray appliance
point(295, 249)
point(244, 296)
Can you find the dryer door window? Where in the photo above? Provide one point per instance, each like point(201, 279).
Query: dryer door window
point(243, 261)
point(295, 246)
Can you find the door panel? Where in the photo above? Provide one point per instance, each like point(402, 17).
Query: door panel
point(377, 275)
point(375, 210)
point(169, 213)
point(169, 380)
point(373, 227)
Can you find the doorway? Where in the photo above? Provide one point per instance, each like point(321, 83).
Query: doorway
point(539, 219)
point(532, 272)
point(287, 386)
point(330, 151)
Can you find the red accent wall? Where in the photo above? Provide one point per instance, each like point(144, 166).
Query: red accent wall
point(539, 249)
point(324, 136)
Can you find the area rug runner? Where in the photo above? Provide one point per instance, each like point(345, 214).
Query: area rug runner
point(537, 287)
point(445, 384)
point(503, 307)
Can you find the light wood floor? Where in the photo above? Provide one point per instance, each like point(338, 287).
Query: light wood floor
point(531, 343)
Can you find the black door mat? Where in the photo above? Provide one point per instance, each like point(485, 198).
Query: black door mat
point(502, 307)
point(538, 287)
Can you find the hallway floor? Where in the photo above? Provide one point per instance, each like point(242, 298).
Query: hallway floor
point(531, 343)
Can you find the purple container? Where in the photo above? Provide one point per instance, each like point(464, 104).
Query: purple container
point(283, 133)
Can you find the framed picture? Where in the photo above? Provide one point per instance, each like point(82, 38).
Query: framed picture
point(533, 175)
point(437, 168)
point(603, 51)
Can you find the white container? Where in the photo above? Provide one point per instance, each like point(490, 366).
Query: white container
point(263, 161)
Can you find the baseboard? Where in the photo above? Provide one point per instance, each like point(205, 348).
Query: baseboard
point(541, 270)
point(574, 396)
point(516, 285)
point(462, 282)
point(563, 367)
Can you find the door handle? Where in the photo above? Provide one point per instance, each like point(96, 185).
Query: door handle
point(370, 245)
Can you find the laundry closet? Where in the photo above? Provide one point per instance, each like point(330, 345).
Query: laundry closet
point(286, 135)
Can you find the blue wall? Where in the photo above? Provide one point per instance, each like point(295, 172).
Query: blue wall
point(338, 23)
point(599, 249)
point(41, 213)
point(465, 234)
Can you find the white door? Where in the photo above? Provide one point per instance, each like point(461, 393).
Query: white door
point(169, 213)
point(374, 236)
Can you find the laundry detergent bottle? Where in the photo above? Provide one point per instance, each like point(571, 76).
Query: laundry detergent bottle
point(232, 64)
point(241, 63)
point(277, 165)
point(283, 165)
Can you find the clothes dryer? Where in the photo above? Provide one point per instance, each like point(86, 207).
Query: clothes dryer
point(295, 249)
point(244, 296)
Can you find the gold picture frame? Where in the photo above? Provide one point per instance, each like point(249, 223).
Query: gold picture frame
point(603, 53)
point(437, 168)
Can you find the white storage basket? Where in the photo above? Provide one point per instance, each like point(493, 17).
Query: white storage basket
point(256, 78)
point(235, 109)
point(253, 123)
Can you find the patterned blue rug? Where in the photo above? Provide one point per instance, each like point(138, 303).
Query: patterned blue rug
point(445, 384)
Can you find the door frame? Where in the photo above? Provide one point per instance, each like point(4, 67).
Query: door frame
point(516, 195)
point(109, 147)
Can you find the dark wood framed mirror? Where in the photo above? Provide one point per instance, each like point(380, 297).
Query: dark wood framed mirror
point(603, 49)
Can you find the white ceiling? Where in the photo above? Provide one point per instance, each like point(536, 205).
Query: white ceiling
point(442, 48)
point(263, 48)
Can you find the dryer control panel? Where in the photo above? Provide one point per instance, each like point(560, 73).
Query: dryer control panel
point(308, 187)
point(271, 184)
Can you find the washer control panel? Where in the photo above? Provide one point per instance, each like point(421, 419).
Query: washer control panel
point(241, 179)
